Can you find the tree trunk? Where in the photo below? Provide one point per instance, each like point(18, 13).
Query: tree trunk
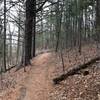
point(74, 70)
point(28, 30)
point(34, 30)
point(4, 46)
point(19, 33)
point(98, 20)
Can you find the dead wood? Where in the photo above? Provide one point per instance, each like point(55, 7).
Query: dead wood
point(74, 70)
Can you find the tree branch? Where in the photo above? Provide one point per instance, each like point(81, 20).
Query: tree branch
point(40, 8)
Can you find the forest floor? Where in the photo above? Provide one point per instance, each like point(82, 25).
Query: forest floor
point(36, 83)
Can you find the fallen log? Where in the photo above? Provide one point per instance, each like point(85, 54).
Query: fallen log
point(74, 70)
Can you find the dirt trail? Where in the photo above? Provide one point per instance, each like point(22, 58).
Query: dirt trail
point(38, 85)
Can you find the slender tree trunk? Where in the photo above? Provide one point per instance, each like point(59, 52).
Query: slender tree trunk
point(4, 46)
point(10, 54)
point(34, 29)
point(58, 24)
point(18, 44)
point(98, 20)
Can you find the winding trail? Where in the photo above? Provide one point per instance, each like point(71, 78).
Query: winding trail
point(38, 85)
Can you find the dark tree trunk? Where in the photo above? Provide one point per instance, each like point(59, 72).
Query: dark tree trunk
point(19, 34)
point(98, 20)
point(28, 30)
point(4, 46)
point(34, 30)
point(75, 70)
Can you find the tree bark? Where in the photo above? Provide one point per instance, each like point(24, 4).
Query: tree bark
point(74, 71)
point(98, 20)
point(28, 30)
point(4, 46)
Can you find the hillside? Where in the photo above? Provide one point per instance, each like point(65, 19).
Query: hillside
point(36, 83)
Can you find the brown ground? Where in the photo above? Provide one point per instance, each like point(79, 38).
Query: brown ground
point(36, 83)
